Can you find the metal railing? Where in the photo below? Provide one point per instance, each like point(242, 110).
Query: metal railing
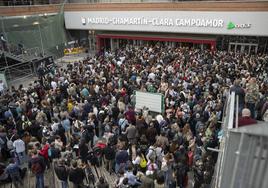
point(227, 123)
point(18, 72)
point(45, 2)
point(18, 62)
point(243, 154)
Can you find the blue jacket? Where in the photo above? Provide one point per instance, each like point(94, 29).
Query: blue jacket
point(121, 157)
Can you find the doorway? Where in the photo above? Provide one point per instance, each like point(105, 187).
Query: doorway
point(112, 42)
point(247, 48)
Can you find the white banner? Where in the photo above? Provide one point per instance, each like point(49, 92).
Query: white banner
point(196, 22)
point(153, 101)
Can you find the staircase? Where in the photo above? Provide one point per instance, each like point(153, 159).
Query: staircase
point(30, 55)
point(19, 58)
point(18, 63)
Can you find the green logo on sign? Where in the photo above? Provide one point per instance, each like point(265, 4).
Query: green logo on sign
point(230, 25)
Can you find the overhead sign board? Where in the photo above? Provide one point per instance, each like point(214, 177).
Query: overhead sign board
point(153, 101)
point(196, 22)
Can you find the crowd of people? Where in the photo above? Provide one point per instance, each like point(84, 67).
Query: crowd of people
point(83, 116)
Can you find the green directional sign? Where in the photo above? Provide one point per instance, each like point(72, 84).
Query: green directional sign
point(230, 25)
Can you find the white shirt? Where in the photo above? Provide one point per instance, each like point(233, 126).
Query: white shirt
point(55, 127)
point(54, 85)
point(19, 146)
point(137, 160)
point(151, 76)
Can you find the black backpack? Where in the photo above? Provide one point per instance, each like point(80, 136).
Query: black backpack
point(109, 153)
point(54, 153)
point(144, 148)
point(93, 159)
point(113, 140)
point(87, 136)
point(61, 130)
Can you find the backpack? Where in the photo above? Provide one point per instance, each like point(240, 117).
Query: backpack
point(109, 153)
point(36, 168)
point(143, 148)
point(97, 151)
point(53, 153)
point(9, 144)
point(49, 152)
point(93, 159)
point(153, 154)
point(143, 162)
point(61, 130)
point(113, 140)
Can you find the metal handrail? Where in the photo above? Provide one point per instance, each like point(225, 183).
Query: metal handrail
point(228, 116)
point(40, 2)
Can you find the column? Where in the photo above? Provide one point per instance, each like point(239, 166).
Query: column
point(242, 48)
point(90, 42)
point(112, 44)
point(116, 43)
point(235, 48)
point(256, 49)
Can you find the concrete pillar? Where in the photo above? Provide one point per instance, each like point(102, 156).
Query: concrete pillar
point(235, 48)
point(116, 43)
point(256, 49)
point(112, 44)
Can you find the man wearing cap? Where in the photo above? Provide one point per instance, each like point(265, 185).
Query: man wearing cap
point(246, 118)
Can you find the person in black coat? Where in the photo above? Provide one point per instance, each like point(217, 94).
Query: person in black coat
point(109, 155)
point(76, 175)
point(62, 172)
point(83, 150)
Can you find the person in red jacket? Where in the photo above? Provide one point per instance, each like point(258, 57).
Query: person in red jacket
point(246, 118)
point(37, 166)
point(44, 153)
